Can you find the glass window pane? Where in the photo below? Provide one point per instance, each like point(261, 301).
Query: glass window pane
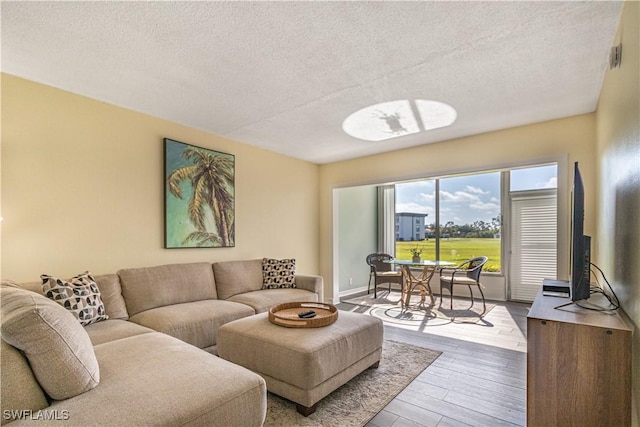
point(415, 209)
point(470, 218)
point(536, 178)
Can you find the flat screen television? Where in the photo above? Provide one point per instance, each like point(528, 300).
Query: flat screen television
point(580, 244)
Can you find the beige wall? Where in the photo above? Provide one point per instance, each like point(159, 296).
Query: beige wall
point(618, 153)
point(566, 140)
point(82, 189)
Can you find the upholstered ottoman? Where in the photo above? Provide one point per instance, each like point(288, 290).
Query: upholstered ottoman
point(303, 364)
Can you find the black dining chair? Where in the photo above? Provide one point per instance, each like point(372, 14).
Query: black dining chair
point(467, 273)
point(382, 272)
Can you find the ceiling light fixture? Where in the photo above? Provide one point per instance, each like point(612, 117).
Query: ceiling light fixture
point(398, 118)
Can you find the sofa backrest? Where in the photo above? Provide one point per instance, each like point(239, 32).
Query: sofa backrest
point(20, 390)
point(150, 287)
point(110, 292)
point(237, 277)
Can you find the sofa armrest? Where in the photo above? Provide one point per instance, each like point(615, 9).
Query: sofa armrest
point(311, 283)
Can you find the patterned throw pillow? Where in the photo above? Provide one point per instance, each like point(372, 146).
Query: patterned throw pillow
point(80, 295)
point(278, 273)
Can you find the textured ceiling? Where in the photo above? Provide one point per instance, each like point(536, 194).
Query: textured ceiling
point(285, 75)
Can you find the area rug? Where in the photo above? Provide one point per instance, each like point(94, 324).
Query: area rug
point(359, 400)
point(388, 308)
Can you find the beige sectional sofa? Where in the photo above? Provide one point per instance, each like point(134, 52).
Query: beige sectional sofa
point(152, 370)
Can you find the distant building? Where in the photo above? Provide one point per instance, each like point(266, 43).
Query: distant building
point(410, 226)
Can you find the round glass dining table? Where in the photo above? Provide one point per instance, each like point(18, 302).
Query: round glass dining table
point(419, 281)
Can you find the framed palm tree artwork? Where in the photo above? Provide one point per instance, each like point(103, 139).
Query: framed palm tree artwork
point(199, 197)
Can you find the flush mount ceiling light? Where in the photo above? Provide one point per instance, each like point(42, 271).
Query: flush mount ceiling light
point(398, 118)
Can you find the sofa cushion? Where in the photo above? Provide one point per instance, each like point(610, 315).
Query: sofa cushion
point(80, 295)
point(278, 273)
point(263, 300)
point(20, 390)
point(196, 322)
point(237, 277)
point(154, 379)
point(152, 287)
point(114, 329)
point(111, 293)
point(57, 346)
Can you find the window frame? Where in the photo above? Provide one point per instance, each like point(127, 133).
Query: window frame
point(504, 214)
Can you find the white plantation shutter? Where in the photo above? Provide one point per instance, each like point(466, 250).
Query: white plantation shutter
point(534, 219)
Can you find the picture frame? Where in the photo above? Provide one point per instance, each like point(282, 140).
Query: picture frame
point(199, 197)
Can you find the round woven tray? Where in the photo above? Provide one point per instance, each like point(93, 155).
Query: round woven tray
point(287, 314)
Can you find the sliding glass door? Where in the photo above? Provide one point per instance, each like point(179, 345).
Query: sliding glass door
point(462, 218)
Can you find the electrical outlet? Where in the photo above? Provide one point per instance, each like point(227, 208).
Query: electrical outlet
point(351, 280)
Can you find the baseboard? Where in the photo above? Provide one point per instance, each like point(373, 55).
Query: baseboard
point(349, 292)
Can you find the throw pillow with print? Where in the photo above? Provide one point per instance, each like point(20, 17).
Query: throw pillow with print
point(80, 295)
point(278, 273)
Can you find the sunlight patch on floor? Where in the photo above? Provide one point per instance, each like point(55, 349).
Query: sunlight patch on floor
point(498, 328)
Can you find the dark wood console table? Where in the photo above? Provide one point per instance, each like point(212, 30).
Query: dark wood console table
point(578, 366)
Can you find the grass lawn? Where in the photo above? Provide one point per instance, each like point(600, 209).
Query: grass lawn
point(455, 250)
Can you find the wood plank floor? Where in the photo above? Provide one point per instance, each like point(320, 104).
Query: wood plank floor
point(479, 380)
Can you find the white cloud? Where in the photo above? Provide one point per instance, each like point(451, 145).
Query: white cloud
point(447, 214)
point(427, 197)
point(480, 206)
point(461, 204)
point(551, 183)
point(458, 196)
point(476, 190)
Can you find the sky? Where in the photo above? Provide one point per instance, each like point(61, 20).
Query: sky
point(469, 198)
